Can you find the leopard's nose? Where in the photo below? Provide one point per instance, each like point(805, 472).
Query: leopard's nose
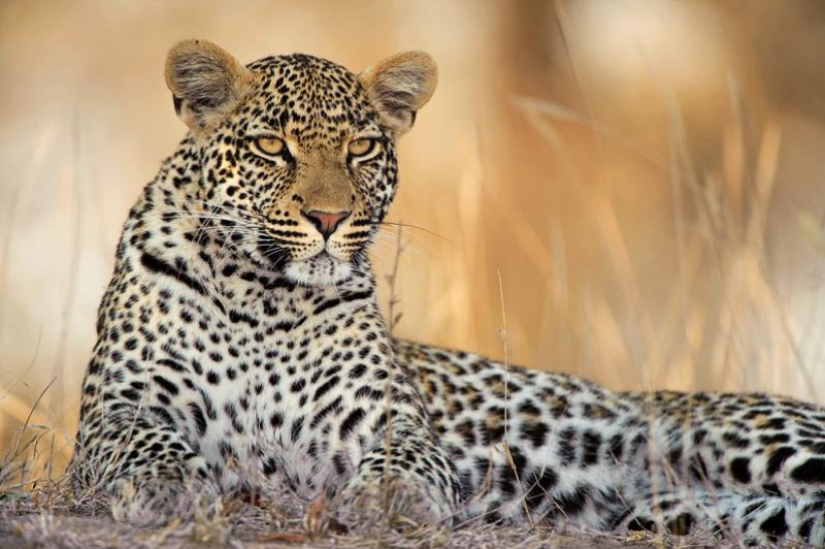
point(325, 222)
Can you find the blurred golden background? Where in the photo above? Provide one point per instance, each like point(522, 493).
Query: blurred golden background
point(629, 191)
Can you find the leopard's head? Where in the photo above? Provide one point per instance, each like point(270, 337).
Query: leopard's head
point(297, 154)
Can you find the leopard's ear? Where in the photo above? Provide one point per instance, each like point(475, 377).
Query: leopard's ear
point(399, 86)
point(206, 82)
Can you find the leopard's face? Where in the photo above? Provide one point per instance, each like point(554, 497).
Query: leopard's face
point(304, 168)
point(299, 173)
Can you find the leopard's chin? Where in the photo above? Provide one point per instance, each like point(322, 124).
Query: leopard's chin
point(318, 270)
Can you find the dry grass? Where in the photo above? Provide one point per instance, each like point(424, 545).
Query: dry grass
point(55, 517)
point(671, 238)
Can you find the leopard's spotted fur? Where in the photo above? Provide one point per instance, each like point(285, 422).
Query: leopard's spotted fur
point(240, 346)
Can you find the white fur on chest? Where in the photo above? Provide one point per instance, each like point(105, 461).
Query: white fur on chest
point(267, 432)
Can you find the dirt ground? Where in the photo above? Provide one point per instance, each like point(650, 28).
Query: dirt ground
point(23, 526)
point(48, 531)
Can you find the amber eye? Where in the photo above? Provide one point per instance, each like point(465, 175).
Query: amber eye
point(362, 146)
point(270, 146)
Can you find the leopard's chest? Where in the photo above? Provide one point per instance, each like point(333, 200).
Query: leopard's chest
point(272, 395)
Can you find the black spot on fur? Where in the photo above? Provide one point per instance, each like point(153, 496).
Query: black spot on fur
point(198, 417)
point(681, 525)
point(157, 265)
point(166, 385)
point(641, 524)
point(572, 503)
point(811, 471)
point(778, 458)
point(540, 485)
point(740, 470)
point(352, 420)
point(776, 526)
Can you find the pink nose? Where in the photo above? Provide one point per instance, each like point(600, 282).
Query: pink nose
point(325, 222)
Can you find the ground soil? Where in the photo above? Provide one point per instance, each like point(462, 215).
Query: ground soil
point(23, 526)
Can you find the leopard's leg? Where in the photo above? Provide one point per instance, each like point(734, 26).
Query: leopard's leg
point(404, 471)
point(149, 472)
point(770, 519)
point(753, 519)
point(762, 459)
point(408, 476)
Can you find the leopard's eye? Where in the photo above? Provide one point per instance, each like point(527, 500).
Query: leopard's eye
point(362, 147)
point(270, 146)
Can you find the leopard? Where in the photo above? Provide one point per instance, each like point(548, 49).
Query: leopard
point(241, 349)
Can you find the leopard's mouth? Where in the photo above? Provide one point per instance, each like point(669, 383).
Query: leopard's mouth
point(322, 269)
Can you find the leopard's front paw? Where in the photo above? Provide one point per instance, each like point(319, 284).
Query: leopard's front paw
point(395, 501)
point(158, 501)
